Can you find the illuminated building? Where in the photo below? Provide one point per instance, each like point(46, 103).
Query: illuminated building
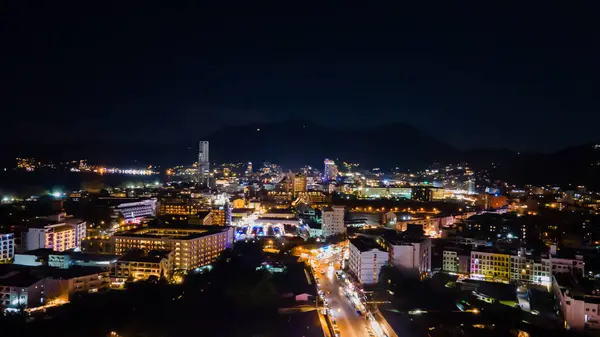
point(57, 233)
point(299, 184)
point(239, 203)
point(386, 192)
point(133, 212)
point(178, 207)
point(64, 283)
point(20, 290)
point(490, 266)
point(138, 265)
point(203, 163)
point(219, 216)
point(365, 260)
point(489, 201)
point(524, 269)
point(411, 255)
point(456, 262)
point(333, 221)
point(192, 248)
point(7, 247)
point(421, 193)
point(330, 172)
point(249, 168)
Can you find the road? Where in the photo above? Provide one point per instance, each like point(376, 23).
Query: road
point(350, 324)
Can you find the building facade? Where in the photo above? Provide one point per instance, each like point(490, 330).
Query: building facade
point(524, 269)
point(414, 256)
point(7, 247)
point(456, 262)
point(58, 237)
point(192, 248)
point(139, 265)
point(333, 221)
point(365, 261)
point(490, 266)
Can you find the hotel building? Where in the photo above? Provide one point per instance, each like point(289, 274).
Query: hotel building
point(192, 248)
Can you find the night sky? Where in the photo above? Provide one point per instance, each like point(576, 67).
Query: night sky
point(524, 78)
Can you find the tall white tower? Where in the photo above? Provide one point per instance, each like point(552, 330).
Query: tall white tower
point(203, 162)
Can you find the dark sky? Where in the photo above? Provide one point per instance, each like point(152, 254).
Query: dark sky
point(525, 78)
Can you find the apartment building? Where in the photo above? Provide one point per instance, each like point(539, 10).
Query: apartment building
point(365, 260)
point(192, 248)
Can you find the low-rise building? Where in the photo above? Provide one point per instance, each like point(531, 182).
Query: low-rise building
point(365, 259)
point(578, 302)
point(525, 269)
point(456, 261)
point(490, 266)
point(58, 233)
point(139, 265)
point(561, 265)
point(64, 284)
point(20, 290)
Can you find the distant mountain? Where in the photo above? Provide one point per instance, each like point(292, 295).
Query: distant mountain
point(577, 165)
point(297, 143)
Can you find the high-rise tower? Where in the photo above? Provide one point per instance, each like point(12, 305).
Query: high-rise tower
point(203, 163)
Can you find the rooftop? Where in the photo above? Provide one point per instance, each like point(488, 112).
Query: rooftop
point(182, 233)
point(363, 244)
point(18, 278)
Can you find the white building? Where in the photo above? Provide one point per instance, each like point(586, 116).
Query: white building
point(7, 247)
point(20, 290)
point(579, 307)
point(333, 221)
point(455, 262)
point(413, 255)
point(562, 265)
point(528, 270)
point(365, 260)
point(133, 212)
point(59, 235)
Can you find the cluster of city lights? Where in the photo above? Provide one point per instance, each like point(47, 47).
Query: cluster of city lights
point(114, 170)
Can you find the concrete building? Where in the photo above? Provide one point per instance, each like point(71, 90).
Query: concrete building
point(365, 260)
point(64, 284)
point(203, 163)
point(21, 290)
point(333, 221)
point(411, 255)
point(574, 265)
point(525, 269)
point(134, 212)
point(192, 248)
point(578, 302)
point(139, 265)
point(456, 261)
point(490, 266)
point(57, 233)
point(7, 247)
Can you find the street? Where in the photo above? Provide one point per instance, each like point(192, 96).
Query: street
point(344, 313)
